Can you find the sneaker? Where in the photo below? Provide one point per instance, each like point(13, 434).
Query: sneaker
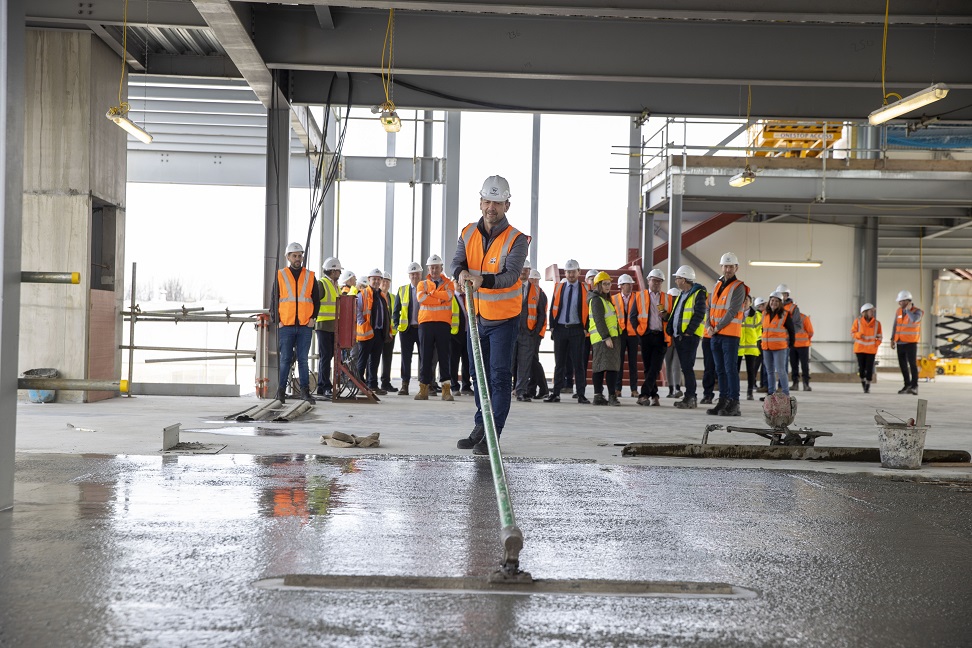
point(720, 405)
point(478, 434)
point(599, 400)
point(689, 402)
point(706, 400)
point(583, 400)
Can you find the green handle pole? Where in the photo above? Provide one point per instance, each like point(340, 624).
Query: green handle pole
point(511, 535)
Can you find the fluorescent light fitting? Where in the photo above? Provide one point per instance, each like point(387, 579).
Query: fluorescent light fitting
point(924, 97)
point(808, 263)
point(130, 126)
point(391, 121)
point(747, 176)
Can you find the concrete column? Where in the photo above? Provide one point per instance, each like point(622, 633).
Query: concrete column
point(648, 241)
point(425, 227)
point(277, 210)
point(389, 209)
point(632, 242)
point(74, 179)
point(535, 192)
point(869, 260)
point(675, 222)
point(12, 172)
point(328, 209)
point(450, 200)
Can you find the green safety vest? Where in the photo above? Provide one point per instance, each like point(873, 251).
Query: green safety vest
point(329, 295)
point(403, 293)
point(752, 330)
point(455, 316)
point(687, 315)
point(610, 318)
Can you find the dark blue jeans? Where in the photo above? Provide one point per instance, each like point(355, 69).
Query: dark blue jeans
point(686, 346)
point(498, 343)
point(289, 338)
point(725, 351)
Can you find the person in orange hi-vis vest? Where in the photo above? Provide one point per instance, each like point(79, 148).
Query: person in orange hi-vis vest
point(489, 257)
point(801, 351)
point(724, 325)
point(538, 378)
point(653, 341)
point(531, 320)
point(374, 322)
point(295, 301)
point(905, 335)
point(866, 331)
point(628, 305)
point(434, 295)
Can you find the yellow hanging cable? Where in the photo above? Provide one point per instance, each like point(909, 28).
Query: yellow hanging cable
point(387, 80)
point(884, 54)
point(123, 107)
point(749, 106)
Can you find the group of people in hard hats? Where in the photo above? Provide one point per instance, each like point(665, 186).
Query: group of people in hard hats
point(905, 336)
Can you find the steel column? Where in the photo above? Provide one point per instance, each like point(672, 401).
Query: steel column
point(278, 206)
point(535, 191)
point(12, 188)
point(675, 222)
point(425, 227)
point(648, 240)
point(869, 260)
point(634, 191)
point(328, 208)
point(450, 198)
point(389, 208)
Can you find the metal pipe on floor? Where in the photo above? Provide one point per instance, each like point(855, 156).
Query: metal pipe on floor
point(50, 277)
point(73, 384)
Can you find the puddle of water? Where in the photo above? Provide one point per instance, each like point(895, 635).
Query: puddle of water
point(242, 430)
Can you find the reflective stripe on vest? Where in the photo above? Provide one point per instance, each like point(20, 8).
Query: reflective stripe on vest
point(775, 335)
point(687, 312)
point(492, 303)
point(296, 306)
point(751, 330)
point(329, 295)
point(364, 330)
point(867, 335)
point(803, 336)
point(610, 319)
point(455, 316)
point(719, 303)
point(905, 330)
point(558, 293)
point(435, 302)
point(532, 299)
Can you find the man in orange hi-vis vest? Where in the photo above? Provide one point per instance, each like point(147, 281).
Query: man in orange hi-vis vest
point(489, 256)
point(295, 300)
point(905, 335)
point(724, 325)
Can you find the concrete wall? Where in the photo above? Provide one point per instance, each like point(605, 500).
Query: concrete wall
point(73, 158)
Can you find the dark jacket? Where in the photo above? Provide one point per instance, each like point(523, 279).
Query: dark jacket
point(698, 294)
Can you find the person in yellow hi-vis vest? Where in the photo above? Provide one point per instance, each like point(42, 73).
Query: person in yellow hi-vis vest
point(752, 331)
point(295, 299)
point(605, 340)
point(327, 324)
point(905, 335)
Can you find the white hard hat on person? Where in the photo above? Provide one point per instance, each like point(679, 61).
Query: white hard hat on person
point(866, 307)
point(435, 259)
point(571, 265)
point(783, 288)
point(347, 274)
point(625, 279)
point(674, 292)
point(376, 272)
point(686, 273)
point(535, 274)
point(904, 294)
point(414, 266)
point(657, 274)
point(526, 264)
point(495, 189)
point(591, 274)
point(386, 275)
point(729, 259)
point(759, 301)
point(777, 294)
point(295, 247)
point(332, 263)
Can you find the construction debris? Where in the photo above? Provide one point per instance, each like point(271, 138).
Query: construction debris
point(341, 440)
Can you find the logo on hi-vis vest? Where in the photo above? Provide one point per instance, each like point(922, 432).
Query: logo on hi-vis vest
point(492, 260)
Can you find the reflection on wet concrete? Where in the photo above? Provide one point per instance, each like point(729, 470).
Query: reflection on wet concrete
point(149, 550)
point(243, 430)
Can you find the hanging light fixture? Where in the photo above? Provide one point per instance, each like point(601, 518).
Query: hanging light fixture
point(389, 118)
point(747, 176)
point(889, 111)
point(117, 113)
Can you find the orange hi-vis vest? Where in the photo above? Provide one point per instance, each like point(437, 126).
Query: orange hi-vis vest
point(775, 336)
point(718, 305)
point(644, 310)
point(492, 303)
point(435, 302)
point(581, 294)
point(628, 325)
point(364, 330)
point(532, 300)
point(296, 304)
point(867, 335)
point(804, 333)
point(905, 330)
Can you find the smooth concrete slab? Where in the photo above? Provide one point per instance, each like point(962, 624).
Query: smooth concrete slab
point(134, 550)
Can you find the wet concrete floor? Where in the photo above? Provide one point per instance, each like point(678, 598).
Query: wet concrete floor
point(139, 550)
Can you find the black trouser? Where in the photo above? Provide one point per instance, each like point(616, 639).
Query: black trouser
point(538, 379)
point(799, 360)
point(569, 350)
point(652, 355)
point(686, 346)
point(752, 370)
point(435, 337)
point(629, 346)
point(325, 349)
point(523, 356)
point(386, 359)
point(600, 377)
point(908, 361)
point(369, 356)
point(708, 369)
point(865, 366)
point(458, 355)
point(409, 339)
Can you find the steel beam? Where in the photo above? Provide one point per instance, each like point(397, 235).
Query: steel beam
point(675, 223)
point(425, 227)
point(703, 230)
point(161, 13)
point(392, 169)
point(450, 198)
point(535, 191)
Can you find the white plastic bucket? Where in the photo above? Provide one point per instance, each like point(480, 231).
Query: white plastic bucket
point(902, 447)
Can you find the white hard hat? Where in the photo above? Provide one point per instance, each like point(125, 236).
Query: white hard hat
point(904, 294)
point(332, 263)
point(777, 294)
point(783, 288)
point(414, 266)
point(526, 264)
point(295, 247)
point(535, 274)
point(686, 273)
point(866, 307)
point(435, 259)
point(674, 292)
point(386, 275)
point(496, 189)
point(729, 259)
point(571, 265)
point(591, 273)
point(347, 274)
point(657, 274)
point(376, 272)
point(759, 301)
point(625, 279)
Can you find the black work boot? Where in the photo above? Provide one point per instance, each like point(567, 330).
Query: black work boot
point(806, 385)
point(306, 395)
point(281, 395)
point(867, 386)
point(478, 434)
point(688, 402)
point(731, 408)
point(613, 400)
point(482, 448)
point(721, 405)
